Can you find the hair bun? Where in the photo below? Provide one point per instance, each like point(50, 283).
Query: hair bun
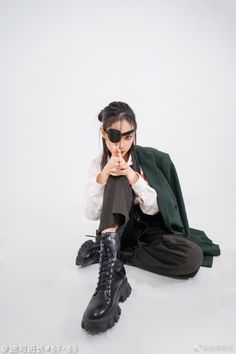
point(100, 116)
point(116, 108)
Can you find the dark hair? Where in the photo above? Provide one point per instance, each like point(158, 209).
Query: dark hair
point(114, 112)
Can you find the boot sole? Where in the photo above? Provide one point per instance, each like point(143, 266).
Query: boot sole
point(102, 324)
point(81, 254)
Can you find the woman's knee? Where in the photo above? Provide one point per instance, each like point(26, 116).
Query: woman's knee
point(194, 259)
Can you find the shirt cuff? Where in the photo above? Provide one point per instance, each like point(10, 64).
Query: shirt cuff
point(99, 184)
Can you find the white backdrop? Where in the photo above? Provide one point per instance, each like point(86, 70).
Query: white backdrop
point(63, 61)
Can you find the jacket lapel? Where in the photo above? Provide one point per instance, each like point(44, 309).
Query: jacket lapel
point(154, 174)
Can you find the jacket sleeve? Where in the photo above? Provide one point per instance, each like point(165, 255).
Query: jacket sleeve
point(93, 197)
point(146, 196)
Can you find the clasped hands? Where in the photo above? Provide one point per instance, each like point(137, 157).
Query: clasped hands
point(119, 166)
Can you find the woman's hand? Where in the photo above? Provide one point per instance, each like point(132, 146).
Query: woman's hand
point(112, 167)
point(116, 166)
point(119, 167)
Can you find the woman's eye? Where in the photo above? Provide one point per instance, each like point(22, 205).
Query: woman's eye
point(129, 136)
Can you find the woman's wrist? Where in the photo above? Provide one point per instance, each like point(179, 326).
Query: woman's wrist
point(102, 178)
point(132, 176)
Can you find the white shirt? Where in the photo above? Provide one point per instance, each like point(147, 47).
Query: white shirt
point(146, 196)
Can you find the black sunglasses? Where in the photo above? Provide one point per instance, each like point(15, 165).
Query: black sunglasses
point(115, 135)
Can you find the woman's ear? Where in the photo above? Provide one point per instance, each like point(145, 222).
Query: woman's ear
point(102, 132)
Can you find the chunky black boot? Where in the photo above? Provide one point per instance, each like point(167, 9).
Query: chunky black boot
point(89, 252)
point(112, 287)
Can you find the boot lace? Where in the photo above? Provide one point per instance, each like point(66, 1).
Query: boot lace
point(105, 268)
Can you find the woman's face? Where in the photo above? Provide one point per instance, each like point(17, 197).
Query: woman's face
point(126, 141)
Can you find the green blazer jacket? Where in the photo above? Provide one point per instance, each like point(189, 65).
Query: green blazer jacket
point(162, 176)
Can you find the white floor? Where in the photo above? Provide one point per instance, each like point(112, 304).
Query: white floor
point(44, 294)
point(62, 62)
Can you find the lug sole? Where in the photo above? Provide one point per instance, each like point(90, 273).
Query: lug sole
point(102, 324)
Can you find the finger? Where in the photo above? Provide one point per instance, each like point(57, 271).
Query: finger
point(123, 165)
point(116, 164)
point(115, 153)
point(116, 168)
point(119, 172)
point(118, 151)
point(118, 159)
point(113, 150)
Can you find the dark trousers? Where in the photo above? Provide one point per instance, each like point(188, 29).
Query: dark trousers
point(156, 248)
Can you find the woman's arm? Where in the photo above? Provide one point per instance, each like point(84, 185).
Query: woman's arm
point(93, 197)
point(146, 196)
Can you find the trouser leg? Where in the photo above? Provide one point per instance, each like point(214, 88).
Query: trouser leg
point(117, 201)
point(169, 254)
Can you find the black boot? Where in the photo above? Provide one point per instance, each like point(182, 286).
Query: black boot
point(89, 252)
point(112, 287)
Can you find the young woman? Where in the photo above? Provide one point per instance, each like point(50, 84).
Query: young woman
point(135, 194)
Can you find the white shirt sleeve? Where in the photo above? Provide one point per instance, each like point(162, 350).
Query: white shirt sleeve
point(93, 198)
point(146, 196)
